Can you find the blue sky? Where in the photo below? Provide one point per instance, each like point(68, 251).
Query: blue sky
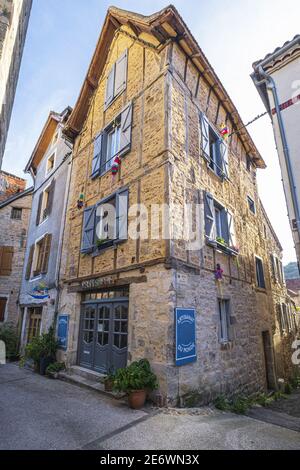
point(61, 39)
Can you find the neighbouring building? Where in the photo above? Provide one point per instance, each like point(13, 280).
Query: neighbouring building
point(49, 167)
point(293, 286)
point(149, 129)
point(15, 208)
point(276, 78)
point(14, 18)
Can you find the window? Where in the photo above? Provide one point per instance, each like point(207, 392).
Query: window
point(16, 213)
point(283, 317)
point(219, 224)
point(105, 223)
point(277, 269)
point(260, 277)
point(38, 258)
point(248, 163)
point(3, 302)
point(34, 323)
point(114, 140)
point(251, 205)
point(214, 148)
point(50, 163)
point(55, 138)
point(45, 203)
point(113, 145)
point(224, 320)
point(6, 259)
point(116, 79)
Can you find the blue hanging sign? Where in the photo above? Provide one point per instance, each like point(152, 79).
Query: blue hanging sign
point(62, 331)
point(185, 333)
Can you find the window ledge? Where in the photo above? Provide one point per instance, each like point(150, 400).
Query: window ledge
point(263, 290)
point(219, 246)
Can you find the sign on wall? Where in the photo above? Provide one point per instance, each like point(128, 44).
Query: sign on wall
point(185, 336)
point(62, 331)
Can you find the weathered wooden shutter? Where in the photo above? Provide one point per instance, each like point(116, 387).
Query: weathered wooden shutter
point(225, 225)
point(223, 153)
point(231, 230)
point(46, 253)
point(121, 74)
point(96, 163)
point(281, 272)
point(273, 264)
point(6, 258)
point(205, 144)
point(122, 215)
point(126, 126)
point(3, 302)
point(29, 263)
point(88, 229)
point(110, 85)
point(38, 214)
point(50, 198)
point(209, 214)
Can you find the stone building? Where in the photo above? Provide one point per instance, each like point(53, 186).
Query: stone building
point(50, 169)
point(15, 208)
point(14, 18)
point(149, 128)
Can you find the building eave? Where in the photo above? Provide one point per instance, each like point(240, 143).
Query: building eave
point(165, 25)
point(15, 197)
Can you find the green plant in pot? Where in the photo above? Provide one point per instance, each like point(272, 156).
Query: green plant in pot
point(136, 380)
point(42, 350)
point(109, 380)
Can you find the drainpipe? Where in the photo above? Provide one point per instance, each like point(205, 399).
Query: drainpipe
point(269, 81)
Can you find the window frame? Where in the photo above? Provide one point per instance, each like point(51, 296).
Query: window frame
point(109, 242)
point(224, 324)
point(113, 70)
point(44, 205)
point(251, 203)
point(54, 155)
point(109, 130)
point(35, 259)
point(19, 210)
point(258, 281)
point(215, 152)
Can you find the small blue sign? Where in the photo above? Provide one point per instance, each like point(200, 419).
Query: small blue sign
point(185, 332)
point(62, 331)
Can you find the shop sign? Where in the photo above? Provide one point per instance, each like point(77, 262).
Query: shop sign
point(185, 335)
point(62, 331)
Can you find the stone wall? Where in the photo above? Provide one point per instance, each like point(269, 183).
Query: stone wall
point(14, 233)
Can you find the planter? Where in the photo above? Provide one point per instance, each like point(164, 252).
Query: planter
point(44, 363)
point(108, 385)
point(136, 399)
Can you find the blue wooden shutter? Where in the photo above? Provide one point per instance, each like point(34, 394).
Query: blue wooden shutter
point(126, 125)
point(209, 213)
point(96, 163)
point(121, 74)
point(88, 230)
point(110, 86)
point(205, 144)
point(122, 215)
point(225, 225)
point(231, 230)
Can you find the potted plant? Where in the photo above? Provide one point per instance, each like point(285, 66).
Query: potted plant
point(136, 380)
point(42, 350)
point(54, 369)
point(109, 380)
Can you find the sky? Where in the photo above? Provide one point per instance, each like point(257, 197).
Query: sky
point(61, 39)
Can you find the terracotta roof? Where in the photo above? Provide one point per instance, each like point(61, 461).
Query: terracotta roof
point(15, 197)
point(167, 24)
point(278, 49)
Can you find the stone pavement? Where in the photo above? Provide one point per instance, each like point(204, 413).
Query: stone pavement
point(40, 413)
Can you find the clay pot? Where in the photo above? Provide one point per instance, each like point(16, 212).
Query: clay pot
point(136, 399)
point(108, 385)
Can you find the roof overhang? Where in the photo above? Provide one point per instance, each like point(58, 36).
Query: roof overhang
point(45, 138)
point(165, 25)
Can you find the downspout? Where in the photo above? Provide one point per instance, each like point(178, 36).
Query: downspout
point(272, 86)
point(60, 249)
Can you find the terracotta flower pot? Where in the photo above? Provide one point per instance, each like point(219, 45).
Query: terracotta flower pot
point(136, 399)
point(108, 385)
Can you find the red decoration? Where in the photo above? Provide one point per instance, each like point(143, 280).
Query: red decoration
point(115, 166)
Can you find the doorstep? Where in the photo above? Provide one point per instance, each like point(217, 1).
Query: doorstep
point(88, 379)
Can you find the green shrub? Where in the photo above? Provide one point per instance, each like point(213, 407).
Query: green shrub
point(9, 336)
point(222, 403)
point(240, 405)
point(55, 367)
point(42, 346)
point(288, 389)
point(137, 376)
